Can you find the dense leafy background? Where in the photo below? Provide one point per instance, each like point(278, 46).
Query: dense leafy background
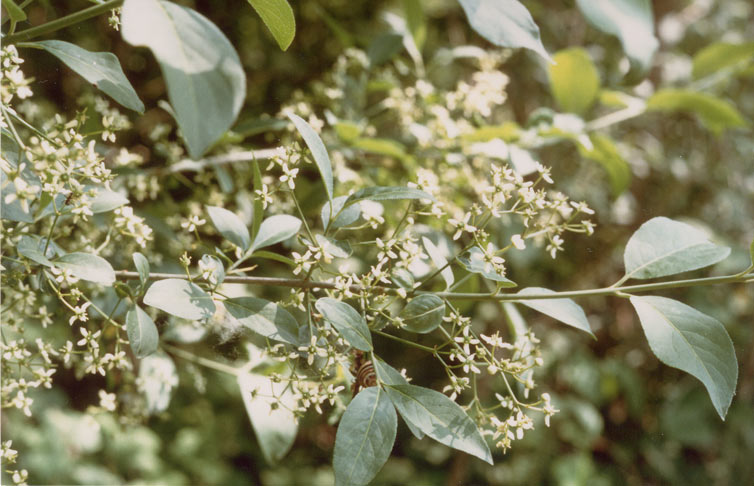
point(625, 419)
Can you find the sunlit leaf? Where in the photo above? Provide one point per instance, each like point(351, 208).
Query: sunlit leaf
point(684, 338)
point(439, 260)
point(180, 298)
point(276, 229)
point(270, 410)
point(230, 226)
point(505, 23)
point(631, 21)
point(264, 318)
point(720, 55)
point(564, 310)
point(318, 150)
point(142, 332)
point(475, 263)
point(142, 266)
point(87, 267)
point(714, 113)
point(102, 69)
point(390, 376)
point(277, 15)
point(574, 80)
point(205, 80)
point(662, 247)
point(343, 216)
point(386, 194)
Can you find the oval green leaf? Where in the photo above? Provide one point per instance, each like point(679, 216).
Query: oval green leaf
point(106, 201)
point(684, 338)
point(662, 247)
point(142, 266)
point(102, 69)
point(365, 438)
point(505, 23)
point(230, 226)
point(720, 55)
point(270, 413)
point(264, 318)
point(390, 376)
point(277, 15)
point(275, 229)
point(347, 321)
point(32, 247)
point(714, 113)
point(631, 21)
point(423, 314)
point(142, 332)
point(205, 81)
point(564, 310)
point(180, 298)
point(574, 80)
point(15, 12)
point(87, 267)
point(318, 150)
point(440, 418)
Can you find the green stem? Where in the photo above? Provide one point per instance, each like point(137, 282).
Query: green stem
point(405, 341)
point(508, 297)
point(207, 363)
point(62, 22)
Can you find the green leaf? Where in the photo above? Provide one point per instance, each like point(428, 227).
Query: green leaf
point(440, 418)
point(343, 217)
point(475, 263)
point(574, 80)
point(505, 23)
point(102, 69)
point(230, 226)
point(684, 338)
point(33, 248)
point(180, 298)
point(269, 405)
point(390, 376)
point(106, 201)
point(714, 113)
point(277, 15)
point(439, 260)
point(386, 194)
point(336, 248)
point(15, 13)
point(142, 332)
point(720, 55)
point(381, 146)
point(142, 266)
point(365, 438)
point(268, 255)
point(564, 310)
point(318, 150)
point(348, 131)
point(604, 152)
point(205, 80)
point(275, 229)
point(631, 21)
point(416, 21)
point(383, 48)
point(87, 267)
point(347, 321)
point(423, 314)
point(264, 318)
point(662, 247)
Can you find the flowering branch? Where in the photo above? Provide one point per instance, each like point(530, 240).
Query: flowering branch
point(612, 290)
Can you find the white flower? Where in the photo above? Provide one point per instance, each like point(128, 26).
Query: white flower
point(79, 314)
point(518, 242)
